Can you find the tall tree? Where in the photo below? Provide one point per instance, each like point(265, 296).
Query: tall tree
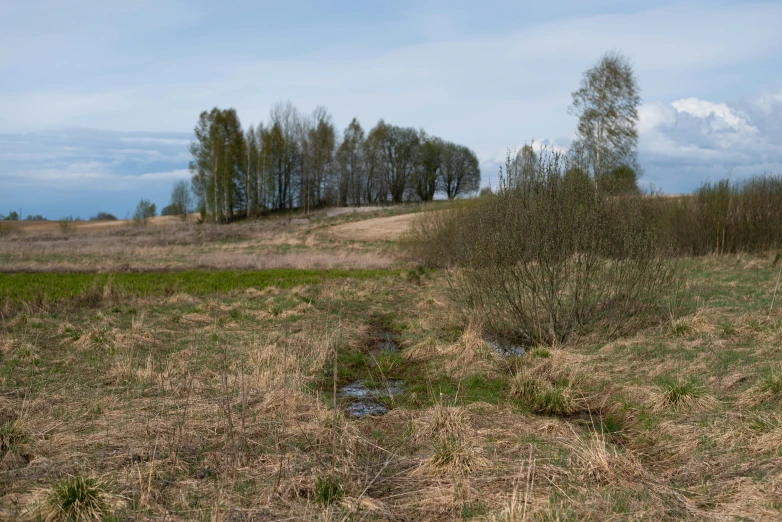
point(285, 153)
point(351, 167)
point(375, 188)
point(217, 162)
point(524, 165)
point(319, 157)
point(460, 173)
point(606, 105)
point(401, 149)
point(250, 167)
point(430, 164)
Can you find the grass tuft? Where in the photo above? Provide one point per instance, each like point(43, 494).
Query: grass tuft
point(13, 439)
point(544, 393)
point(455, 455)
point(684, 395)
point(771, 383)
point(329, 489)
point(76, 498)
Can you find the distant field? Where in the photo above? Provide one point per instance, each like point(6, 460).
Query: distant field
point(316, 241)
point(83, 227)
point(376, 229)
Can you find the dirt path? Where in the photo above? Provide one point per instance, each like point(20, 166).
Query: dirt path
point(375, 229)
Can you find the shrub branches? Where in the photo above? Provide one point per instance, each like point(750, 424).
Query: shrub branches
point(550, 256)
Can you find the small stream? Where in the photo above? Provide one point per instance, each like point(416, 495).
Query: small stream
point(363, 401)
point(505, 348)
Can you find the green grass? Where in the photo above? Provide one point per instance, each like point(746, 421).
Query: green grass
point(48, 287)
point(328, 489)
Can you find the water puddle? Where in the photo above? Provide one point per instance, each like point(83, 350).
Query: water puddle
point(363, 401)
point(360, 400)
point(504, 348)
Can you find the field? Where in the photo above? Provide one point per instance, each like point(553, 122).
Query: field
point(321, 241)
point(189, 388)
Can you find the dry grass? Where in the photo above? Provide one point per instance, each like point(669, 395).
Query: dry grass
point(376, 229)
point(170, 244)
point(221, 407)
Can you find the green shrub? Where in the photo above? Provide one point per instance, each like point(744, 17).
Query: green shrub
point(67, 225)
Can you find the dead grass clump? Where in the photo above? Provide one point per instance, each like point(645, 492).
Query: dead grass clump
point(603, 463)
point(182, 299)
point(421, 351)
point(454, 449)
point(443, 422)
point(452, 456)
point(198, 318)
point(682, 395)
point(455, 456)
point(96, 336)
point(15, 446)
point(547, 388)
point(121, 371)
point(253, 293)
point(766, 433)
point(301, 308)
point(768, 389)
point(470, 355)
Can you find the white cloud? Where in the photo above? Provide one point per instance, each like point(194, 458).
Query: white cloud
point(173, 175)
point(720, 116)
point(691, 140)
point(152, 141)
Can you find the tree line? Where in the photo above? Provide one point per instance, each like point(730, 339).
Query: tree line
point(301, 161)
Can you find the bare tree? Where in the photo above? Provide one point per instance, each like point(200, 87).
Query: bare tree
point(351, 179)
point(285, 151)
point(320, 140)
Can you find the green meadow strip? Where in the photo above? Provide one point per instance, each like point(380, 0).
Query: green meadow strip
point(50, 286)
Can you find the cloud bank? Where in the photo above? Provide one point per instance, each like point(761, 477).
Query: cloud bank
point(82, 172)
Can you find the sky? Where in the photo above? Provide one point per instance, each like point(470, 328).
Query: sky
point(98, 98)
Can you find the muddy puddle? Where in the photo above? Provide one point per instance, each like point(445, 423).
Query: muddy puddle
point(504, 348)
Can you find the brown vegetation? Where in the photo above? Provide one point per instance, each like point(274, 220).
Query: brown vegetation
point(222, 406)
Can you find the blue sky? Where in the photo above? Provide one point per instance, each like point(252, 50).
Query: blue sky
point(97, 102)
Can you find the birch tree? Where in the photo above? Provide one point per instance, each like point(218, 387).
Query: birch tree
point(606, 105)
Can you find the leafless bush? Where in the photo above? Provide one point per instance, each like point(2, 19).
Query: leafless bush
point(722, 217)
point(549, 256)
